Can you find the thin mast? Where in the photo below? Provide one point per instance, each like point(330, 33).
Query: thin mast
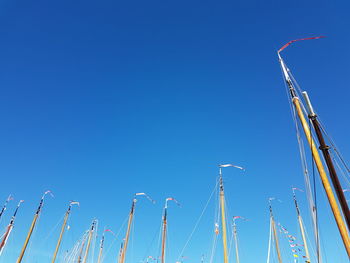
point(62, 229)
point(101, 247)
point(273, 225)
point(235, 236)
point(325, 151)
point(82, 248)
point(332, 201)
point(222, 205)
point(302, 229)
point(164, 232)
point(37, 213)
point(9, 198)
point(9, 229)
point(131, 216)
point(91, 232)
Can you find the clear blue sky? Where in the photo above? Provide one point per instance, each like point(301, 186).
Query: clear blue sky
point(102, 99)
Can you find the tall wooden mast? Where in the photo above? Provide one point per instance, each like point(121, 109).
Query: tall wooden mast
point(91, 232)
point(9, 228)
point(329, 192)
point(273, 225)
point(9, 198)
point(302, 229)
point(222, 205)
point(131, 216)
point(164, 228)
point(101, 248)
point(326, 154)
point(62, 230)
point(37, 213)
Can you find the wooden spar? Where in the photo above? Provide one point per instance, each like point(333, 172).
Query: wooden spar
point(273, 225)
point(9, 198)
point(9, 229)
point(62, 230)
point(164, 235)
point(164, 232)
point(236, 241)
point(37, 213)
point(81, 249)
point(316, 157)
point(331, 169)
point(101, 248)
point(302, 229)
point(131, 216)
point(89, 241)
point(121, 258)
point(223, 218)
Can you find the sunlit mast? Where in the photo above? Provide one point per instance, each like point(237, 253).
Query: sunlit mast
point(274, 230)
point(37, 213)
point(63, 229)
point(131, 216)
point(301, 226)
point(164, 229)
point(316, 157)
point(9, 229)
point(222, 205)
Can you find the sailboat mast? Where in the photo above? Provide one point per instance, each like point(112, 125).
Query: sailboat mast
point(91, 232)
point(131, 216)
point(101, 248)
point(236, 240)
point(9, 229)
point(326, 154)
point(81, 249)
point(37, 213)
point(164, 234)
point(273, 224)
point(223, 217)
point(9, 198)
point(331, 198)
point(62, 230)
point(302, 229)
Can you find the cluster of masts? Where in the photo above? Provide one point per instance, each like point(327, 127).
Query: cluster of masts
point(337, 201)
point(82, 250)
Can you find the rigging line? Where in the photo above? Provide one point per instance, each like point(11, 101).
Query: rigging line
point(341, 171)
point(315, 196)
point(334, 147)
point(197, 223)
point(115, 238)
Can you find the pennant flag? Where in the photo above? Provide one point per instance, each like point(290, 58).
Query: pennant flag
point(231, 165)
point(290, 42)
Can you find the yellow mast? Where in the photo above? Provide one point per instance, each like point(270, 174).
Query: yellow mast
point(89, 241)
point(164, 232)
point(325, 182)
point(302, 229)
point(62, 230)
point(223, 218)
point(164, 236)
point(37, 213)
point(81, 249)
point(275, 233)
point(222, 205)
point(131, 216)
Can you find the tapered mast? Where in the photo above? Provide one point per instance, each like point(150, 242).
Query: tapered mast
point(91, 232)
point(222, 205)
point(37, 213)
point(130, 220)
point(301, 226)
point(235, 236)
point(316, 157)
point(275, 236)
point(63, 229)
point(9, 198)
point(326, 154)
point(9, 228)
point(81, 249)
point(101, 247)
point(164, 229)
